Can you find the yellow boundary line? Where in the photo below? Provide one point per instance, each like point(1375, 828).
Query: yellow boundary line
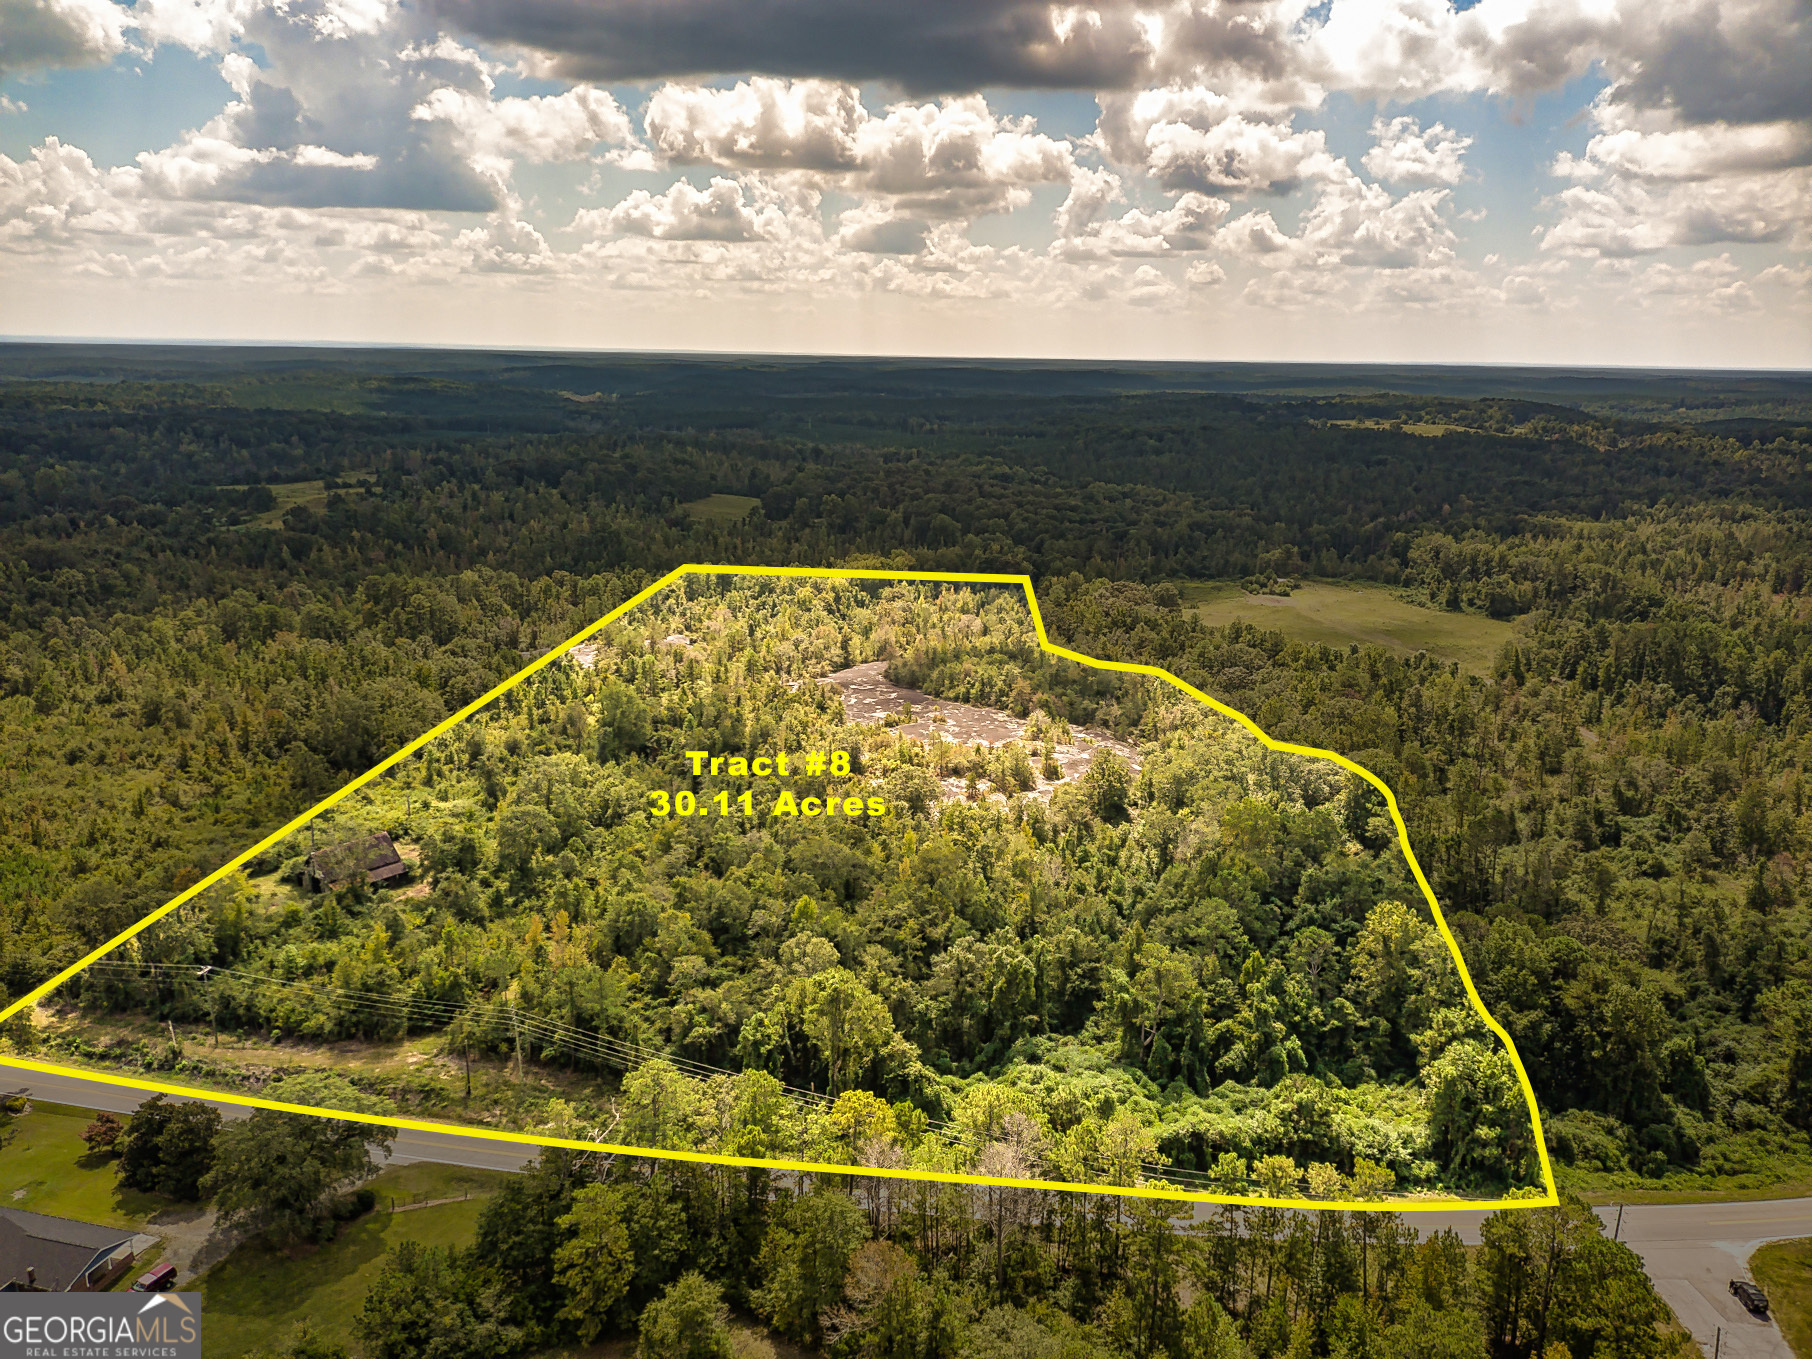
point(822, 1168)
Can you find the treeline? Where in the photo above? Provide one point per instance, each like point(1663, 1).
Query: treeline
point(711, 1262)
point(1623, 862)
point(107, 497)
point(574, 1250)
point(1217, 965)
point(1617, 817)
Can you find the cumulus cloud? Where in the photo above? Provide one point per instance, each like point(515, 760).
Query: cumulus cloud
point(43, 33)
point(1194, 138)
point(541, 128)
point(1085, 228)
point(1405, 154)
point(368, 139)
point(1694, 54)
point(949, 159)
point(1692, 153)
point(759, 123)
point(934, 46)
point(1628, 217)
point(876, 229)
point(1351, 225)
point(723, 211)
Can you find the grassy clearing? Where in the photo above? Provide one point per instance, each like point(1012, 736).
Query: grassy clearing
point(1784, 1270)
point(425, 1181)
point(301, 393)
point(1336, 615)
point(312, 494)
point(45, 1168)
point(721, 508)
point(256, 1296)
point(1598, 1188)
point(427, 1078)
point(1422, 428)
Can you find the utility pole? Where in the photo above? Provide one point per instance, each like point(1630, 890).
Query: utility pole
point(1618, 1230)
point(1718, 1343)
point(213, 1014)
point(516, 1024)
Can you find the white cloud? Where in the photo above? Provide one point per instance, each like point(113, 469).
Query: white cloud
point(1204, 274)
point(721, 212)
point(875, 229)
point(1085, 230)
point(1629, 217)
point(366, 139)
point(1149, 288)
point(1361, 224)
point(758, 124)
point(200, 25)
point(956, 159)
point(1288, 290)
point(42, 33)
point(1256, 236)
point(1406, 154)
point(1692, 153)
point(1524, 290)
point(1194, 138)
point(952, 159)
point(494, 133)
point(320, 157)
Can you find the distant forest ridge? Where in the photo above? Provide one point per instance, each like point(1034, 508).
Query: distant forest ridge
point(1687, 395)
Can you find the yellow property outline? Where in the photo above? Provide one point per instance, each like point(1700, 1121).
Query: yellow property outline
point(679, 573)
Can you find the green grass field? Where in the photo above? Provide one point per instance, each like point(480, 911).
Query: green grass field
point(1422, 428)
point(257, 1295)
point(721, 508)
point(45, 1168)
point(1784, 1270)
point(290, 494)
point(1336, 614)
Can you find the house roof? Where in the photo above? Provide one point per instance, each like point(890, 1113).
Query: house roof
point(373, 855)
point(60, 1249)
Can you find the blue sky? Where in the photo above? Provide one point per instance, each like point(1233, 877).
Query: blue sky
point(1567, 181)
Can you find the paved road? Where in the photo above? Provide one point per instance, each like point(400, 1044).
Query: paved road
point(444, 1148)
point(1691, 1251)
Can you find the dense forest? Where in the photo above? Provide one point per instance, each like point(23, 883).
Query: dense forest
point(708, 1262)
point(915, 1271)
point(1214, 961)
point(1615, 819)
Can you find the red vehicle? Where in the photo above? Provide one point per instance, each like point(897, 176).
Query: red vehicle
point(158, 1280)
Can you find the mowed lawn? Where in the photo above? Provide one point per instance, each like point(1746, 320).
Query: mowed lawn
point(255, 1297)
point(1784, 1270)
point(45, 1168)
point(1374, 615)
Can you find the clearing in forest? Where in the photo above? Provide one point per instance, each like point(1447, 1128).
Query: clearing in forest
point(844, 870)
point(1338, 614)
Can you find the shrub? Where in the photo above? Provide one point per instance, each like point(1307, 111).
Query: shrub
point(103, 1135)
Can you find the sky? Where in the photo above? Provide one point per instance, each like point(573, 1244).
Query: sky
point(1604, 182)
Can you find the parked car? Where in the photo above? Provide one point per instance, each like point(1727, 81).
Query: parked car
point(1750, 1296)
point(158, 1280)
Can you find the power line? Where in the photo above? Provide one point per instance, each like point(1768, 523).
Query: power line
point(623, 1054)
